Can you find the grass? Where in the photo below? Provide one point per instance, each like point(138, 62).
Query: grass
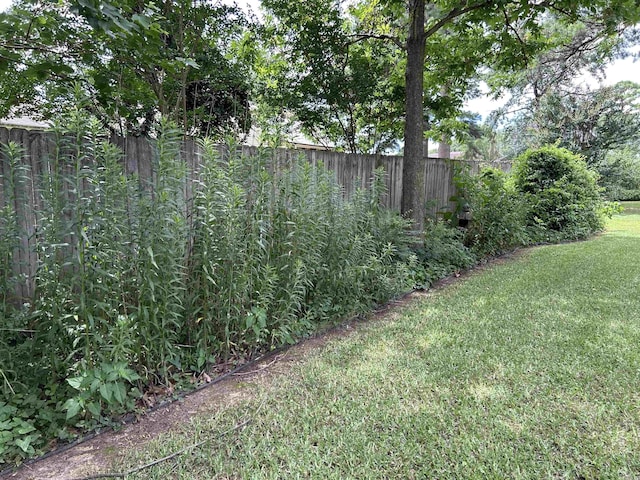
point(631, 208)
point(529, 369)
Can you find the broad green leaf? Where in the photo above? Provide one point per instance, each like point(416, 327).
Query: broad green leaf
point(75, 382)
point(25, 428)
point(24, 443)
point(94, 408)
point(72, 406)
point(119, 392)
point(106, 390)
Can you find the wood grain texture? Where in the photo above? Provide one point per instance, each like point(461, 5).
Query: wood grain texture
point(139, 158)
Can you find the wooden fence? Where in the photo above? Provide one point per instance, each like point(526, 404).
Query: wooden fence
point(350, 170)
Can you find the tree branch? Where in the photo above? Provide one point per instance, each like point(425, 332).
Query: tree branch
point(452, 15)
point(358, 37)
point(515, 31)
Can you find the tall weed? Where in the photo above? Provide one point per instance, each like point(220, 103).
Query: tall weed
point(138, 285)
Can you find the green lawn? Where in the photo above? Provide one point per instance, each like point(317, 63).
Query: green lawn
point(631, 208)
point(529, 369)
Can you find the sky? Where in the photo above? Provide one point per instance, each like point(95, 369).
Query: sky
point(617, 71)
point(625, 69)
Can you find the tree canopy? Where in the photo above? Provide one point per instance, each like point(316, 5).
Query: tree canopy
point(587, 121)
point(135, 60)
point(363, 76)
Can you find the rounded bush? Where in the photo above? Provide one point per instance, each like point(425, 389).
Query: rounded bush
point(562, 192)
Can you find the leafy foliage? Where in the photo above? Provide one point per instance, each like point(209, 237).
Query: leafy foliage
point(583, 42)
point(561, 190)
point(343, 90)
point(553, 107)
point(499, 212)
point(443, 253)
point(620, 171)
point(136, 61)
point(137, 287)
point(588, 122)
point(550, 195)
point(438, 47)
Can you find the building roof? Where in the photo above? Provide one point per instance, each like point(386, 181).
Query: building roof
point(23, 122)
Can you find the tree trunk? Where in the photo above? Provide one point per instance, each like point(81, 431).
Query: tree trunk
point(444, 147)
point(413, 194)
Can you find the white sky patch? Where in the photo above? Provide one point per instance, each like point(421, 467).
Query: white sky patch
point(4, 4)
point(626, 69)
point(484, 104)
point(246, 5)
point(618, 71)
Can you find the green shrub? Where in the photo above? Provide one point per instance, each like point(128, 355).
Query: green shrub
point(562, 192)
point(443, 253)
point(498, 212)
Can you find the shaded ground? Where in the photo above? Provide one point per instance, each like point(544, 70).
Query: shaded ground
point(96, 455)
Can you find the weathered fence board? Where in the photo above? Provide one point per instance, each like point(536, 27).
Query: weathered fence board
point(138, 156)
